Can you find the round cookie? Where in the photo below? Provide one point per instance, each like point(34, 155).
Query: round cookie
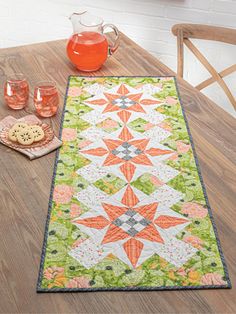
point(20, 126)
point(37, 132)
point(12, 134)
point(25, 136)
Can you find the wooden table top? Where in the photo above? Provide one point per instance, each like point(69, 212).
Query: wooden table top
point(25, 187)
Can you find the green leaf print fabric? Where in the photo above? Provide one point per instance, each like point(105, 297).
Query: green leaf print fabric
point(128, 209)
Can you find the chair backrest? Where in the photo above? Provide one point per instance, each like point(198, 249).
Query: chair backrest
point(197, 31)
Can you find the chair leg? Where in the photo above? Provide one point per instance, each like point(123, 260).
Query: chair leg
point(180, 53)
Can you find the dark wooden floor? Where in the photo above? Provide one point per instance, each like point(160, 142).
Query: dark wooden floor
point(25, 186)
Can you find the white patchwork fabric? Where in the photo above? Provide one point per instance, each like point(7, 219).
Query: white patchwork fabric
point(176, 252)
point(157, 133)
point(88, 253)
point(94, 117)
point(95, 89)
point(150, 89)
point(91, 196)
point(167, 196)
point(154, 117)
point(92, 172)
point(164, 172)
point(93, 134)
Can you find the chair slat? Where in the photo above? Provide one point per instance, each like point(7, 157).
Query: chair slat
point(211, 80)
point(207, 32)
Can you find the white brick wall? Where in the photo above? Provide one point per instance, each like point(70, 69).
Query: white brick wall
point(148, 22)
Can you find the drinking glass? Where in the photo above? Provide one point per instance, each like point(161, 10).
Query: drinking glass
point(16, 91)
point(46, 99)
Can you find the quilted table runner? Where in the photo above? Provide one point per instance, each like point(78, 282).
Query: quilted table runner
point(128, 208)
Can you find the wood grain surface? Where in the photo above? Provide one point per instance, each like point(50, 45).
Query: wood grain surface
point(25, 187)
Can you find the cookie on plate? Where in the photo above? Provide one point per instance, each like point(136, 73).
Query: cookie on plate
point(25, 136)
point(15, 129)
point(12, 134)
point(38, 132)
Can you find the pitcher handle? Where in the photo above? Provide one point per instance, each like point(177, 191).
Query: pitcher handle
point(112, 47)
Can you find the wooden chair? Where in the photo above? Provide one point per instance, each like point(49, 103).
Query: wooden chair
point(226, 35)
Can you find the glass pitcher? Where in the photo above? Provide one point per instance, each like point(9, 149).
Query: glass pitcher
point(88, 47)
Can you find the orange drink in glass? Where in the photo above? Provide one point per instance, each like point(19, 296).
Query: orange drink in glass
point(16, 91)
point(46, 99)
